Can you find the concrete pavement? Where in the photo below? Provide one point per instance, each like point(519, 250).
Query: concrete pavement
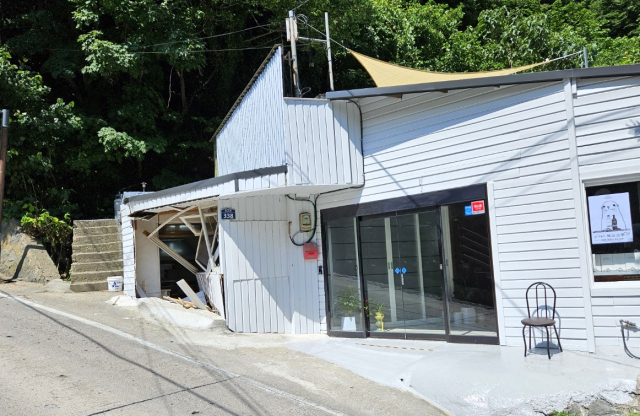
point(72, 353)
point(478, 380)
point(349, 376)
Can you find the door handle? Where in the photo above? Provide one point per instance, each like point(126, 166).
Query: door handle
point(402, 278)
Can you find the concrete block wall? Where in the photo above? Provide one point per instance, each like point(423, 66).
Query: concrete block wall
point(97, 254)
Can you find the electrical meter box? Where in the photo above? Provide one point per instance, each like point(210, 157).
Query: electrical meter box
point(310, 251)
point(305, 221)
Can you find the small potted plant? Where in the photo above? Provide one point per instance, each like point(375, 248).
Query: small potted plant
point(379, 314)
point(349, 306)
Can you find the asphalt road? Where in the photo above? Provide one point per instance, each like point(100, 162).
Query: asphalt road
point(58, 363)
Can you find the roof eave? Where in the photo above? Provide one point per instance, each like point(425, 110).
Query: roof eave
point(528, 78)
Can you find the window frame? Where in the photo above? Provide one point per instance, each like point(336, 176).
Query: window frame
point(599, 178)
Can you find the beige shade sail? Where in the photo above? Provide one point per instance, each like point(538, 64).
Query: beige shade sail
point(385, 74)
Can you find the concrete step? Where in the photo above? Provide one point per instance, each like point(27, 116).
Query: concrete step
point(81, 277)
point(96, 256)
point(102, 266)
point(90, 286)
point(97, 248)
point(96, 239)
point(90, 231)
point(95, 223)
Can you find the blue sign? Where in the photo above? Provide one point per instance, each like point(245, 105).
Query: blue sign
point(228, 213)
point(404, 270)
point(397, 270)
point(468, 211)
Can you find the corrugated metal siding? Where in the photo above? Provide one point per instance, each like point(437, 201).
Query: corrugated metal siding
point(269, 287)
point(607, 132)
point(254, 135)
point(323, 142)
point(515, 137)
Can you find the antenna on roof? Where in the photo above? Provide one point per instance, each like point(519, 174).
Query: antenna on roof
point(326, 27)
point(292, 35)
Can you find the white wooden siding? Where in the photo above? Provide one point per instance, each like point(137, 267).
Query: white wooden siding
point(515, 137)
point(607, 313)
point(608, 134)
point(608, 124)
point(269, 287)
point(254, 135)
point(323, 144)
point(128, 252)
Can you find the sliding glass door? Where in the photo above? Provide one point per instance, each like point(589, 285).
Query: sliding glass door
point(423, 273)
point(402, 275)
point(469, 277)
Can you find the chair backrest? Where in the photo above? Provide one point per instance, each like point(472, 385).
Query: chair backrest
point(545, 289)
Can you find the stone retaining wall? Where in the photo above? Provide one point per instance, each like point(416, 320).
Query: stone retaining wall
point(23, 258)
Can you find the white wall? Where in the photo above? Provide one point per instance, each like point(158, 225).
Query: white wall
point(128, 251)
point(269, 287)
point(608, 132)
point(323, 144)
point(147, 259)
point(254, 135)
point(513, 137)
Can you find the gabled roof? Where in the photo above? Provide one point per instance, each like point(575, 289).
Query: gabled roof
point(244, 92)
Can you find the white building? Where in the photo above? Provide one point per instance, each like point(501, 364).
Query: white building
point(438, 204)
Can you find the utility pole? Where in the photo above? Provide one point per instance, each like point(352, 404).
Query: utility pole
point(292, 33)
point(3, 163)
point(326, 25)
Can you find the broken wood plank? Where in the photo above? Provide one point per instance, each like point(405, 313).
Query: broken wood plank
point(191, 294)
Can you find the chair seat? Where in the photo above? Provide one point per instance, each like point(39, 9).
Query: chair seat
point(538, 321)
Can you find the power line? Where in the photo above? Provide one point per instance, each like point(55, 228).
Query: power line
point(206, 50)
point(332, 40)
point(207, 37)
point(301, 4)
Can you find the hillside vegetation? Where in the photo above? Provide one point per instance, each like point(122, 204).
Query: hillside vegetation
point(107, 94)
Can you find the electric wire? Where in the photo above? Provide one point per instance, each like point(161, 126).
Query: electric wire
point(301, 4)
point(624, 341)
point(187, 40)
point(207, 37)
point(315, 220)
point(206, 50)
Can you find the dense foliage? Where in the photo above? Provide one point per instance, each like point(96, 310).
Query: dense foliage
point(108, 94)
point(53, 233)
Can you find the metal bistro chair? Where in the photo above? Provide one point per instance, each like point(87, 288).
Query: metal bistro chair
point(538, 321)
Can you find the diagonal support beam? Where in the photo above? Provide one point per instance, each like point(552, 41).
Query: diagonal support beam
point(171, 218)
point(177, 257)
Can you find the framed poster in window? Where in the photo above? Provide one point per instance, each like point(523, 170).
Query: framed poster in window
point(614, 228)
point(610, 219)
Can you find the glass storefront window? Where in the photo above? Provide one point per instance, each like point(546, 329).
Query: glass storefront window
point(344, 282)
point(614, 226)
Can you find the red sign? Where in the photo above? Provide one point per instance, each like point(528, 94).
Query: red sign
point(477, 207)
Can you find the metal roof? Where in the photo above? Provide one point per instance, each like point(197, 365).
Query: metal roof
point(244, 92)
point(528, 78)
point(167, 196)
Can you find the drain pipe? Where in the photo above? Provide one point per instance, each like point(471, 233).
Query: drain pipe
point(627, 324)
